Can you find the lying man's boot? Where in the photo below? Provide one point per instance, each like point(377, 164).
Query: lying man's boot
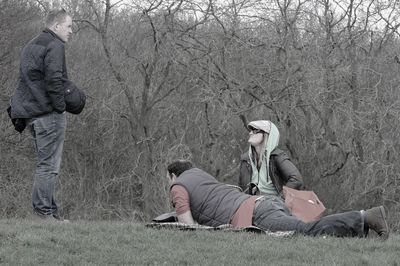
point(376, 220)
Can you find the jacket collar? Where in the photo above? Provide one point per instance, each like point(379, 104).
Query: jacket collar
point(47, 30)
point(245, 156)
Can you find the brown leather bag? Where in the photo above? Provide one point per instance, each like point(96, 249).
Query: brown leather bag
point(305, 205)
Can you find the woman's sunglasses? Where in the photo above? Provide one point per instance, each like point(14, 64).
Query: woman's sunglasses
point(255, 130)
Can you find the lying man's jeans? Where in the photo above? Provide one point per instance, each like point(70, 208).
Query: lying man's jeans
point(48, 132)
point(272, 214)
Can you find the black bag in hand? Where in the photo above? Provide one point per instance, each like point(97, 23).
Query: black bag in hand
point(75, 98)
point(19, 123)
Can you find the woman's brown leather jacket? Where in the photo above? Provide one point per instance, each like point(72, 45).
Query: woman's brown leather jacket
point(281, 170)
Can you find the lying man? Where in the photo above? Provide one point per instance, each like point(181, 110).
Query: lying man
point(200, 198)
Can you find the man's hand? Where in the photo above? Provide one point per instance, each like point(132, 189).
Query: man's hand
point(186, 218)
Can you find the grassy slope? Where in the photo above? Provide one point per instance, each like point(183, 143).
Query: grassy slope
point(24, 242)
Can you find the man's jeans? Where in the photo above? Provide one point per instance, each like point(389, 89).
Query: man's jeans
point(272, 214)
point(48, 132)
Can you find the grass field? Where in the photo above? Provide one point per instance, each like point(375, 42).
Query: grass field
point(24, 242)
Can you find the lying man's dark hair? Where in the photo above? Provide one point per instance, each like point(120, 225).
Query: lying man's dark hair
point(180, 166)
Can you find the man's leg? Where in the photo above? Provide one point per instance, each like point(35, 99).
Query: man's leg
point(347, 224)
point(49, 133)
point(272, 214)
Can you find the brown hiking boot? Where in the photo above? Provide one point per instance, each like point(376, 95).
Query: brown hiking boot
point(376, 220)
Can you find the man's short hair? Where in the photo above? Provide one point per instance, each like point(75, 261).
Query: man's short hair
point(179, 166)
point(56, 16)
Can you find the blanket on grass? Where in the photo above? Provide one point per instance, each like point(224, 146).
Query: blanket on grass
point(169, 221)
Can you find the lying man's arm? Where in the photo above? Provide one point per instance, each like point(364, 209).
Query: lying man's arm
point(181, 202)
point(186, 218)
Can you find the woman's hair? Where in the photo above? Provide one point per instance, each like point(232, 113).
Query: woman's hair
point(179, 166)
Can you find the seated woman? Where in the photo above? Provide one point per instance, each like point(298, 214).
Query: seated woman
point(265, 169)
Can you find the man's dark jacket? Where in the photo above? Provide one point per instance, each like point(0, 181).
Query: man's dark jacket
point(212, 203)
point(40, 88)
point(281, 171)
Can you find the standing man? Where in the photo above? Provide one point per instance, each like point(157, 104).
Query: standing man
point(39, 102)
point(200, 198)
